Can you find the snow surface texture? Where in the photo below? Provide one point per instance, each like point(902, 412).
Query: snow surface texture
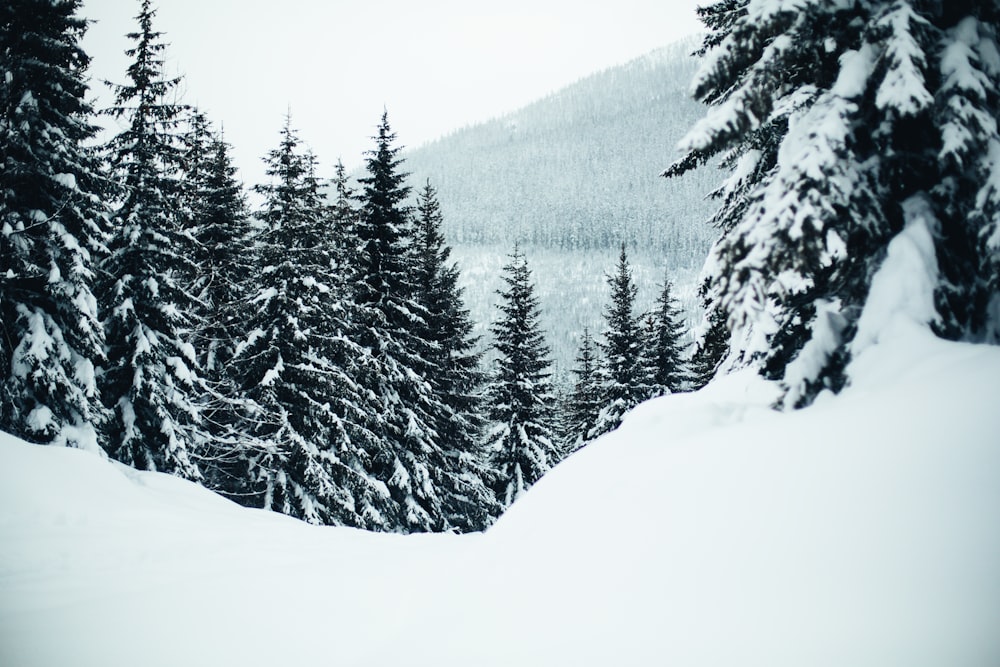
point(708, 530)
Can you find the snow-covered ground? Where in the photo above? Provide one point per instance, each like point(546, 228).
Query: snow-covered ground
point(708, 530)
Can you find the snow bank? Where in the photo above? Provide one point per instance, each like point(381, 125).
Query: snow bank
point(708, 530)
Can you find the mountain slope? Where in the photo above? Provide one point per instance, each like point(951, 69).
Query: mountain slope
point(570, 177)
point(579, 168)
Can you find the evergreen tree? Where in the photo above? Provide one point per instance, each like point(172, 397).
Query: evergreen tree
point(409, 458)
point(344, 219)
point(453, 365)
point(847, 125)
point(663, 351)
point(584, 401)
point(519, 396)
point(220, 228)
point(710, 348)
point(152, 383)
point(305, 421)
point(51, 228)
point(622, 381)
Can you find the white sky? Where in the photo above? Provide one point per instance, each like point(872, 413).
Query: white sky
point(436, 65)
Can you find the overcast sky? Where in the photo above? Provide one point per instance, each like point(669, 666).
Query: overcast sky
point(436, 65)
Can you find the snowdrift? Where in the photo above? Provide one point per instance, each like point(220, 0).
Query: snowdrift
point(708, 530)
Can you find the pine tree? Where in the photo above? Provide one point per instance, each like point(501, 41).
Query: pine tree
point(51, 228)
point(453, 370)
point(409, 456)
point(305, 420)
point(622, 382)
point(584, 401)
point(152, 383)
point(666, 368)
point(520, 397)
point(840, 121)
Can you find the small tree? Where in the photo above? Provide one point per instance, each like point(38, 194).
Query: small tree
point(622, 382)
point(584, 401)
point(520, 394)
point(666, 368)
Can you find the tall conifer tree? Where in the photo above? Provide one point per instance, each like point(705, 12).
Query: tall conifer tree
point(220, 229)
point(51, 228)
point(409, 455)
point(304, 422)
point(453, 366)
point(152, 383)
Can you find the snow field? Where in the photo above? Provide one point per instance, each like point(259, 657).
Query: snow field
point(708, 530)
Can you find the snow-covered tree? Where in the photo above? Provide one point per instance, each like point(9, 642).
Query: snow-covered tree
point(663, 355)
point(409, 459)
point(835, 117)
point(304, 422)
point(520, 397)
point(453, 367)
point(219, 226)
point(152, 382)
point(710, 348)
point(583, 404)
point(51, 228)
point(343, 215)
point(622, 378)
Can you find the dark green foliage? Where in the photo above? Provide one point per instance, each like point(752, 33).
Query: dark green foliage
point(453, 371)
point(622, 377)
point(583, 405)
point(710, 349)
point(152, 383)
point(409, 459)
point(520, 399)
point(833, 117)
point(304, 425)
point(51, 228)
point(663, 357)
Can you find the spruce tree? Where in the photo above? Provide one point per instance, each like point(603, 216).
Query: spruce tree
point(304, 421)
point(584, 401)
point(666, 368)
point(51, 228)
point(847, 126)
point(221, 232)
point(520, 399)
point(152, 383)
point(220, 229)
point(409, 457)
point(710, 348)
point(453, 370)
point(622, 381)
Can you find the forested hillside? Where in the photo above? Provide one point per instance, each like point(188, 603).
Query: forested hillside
point(579, 168)
point(570, 177)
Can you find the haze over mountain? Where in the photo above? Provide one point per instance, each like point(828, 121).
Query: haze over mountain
point(570, 177)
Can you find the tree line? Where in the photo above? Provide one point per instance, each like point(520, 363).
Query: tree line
point(312, 356)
